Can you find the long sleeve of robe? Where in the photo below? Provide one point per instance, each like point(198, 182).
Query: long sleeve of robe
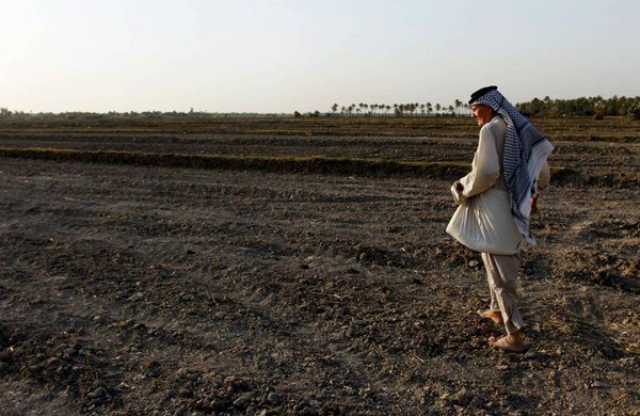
point(486, 167)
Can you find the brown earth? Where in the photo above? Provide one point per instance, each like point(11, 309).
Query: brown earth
point(155, 291)
point(582, 129)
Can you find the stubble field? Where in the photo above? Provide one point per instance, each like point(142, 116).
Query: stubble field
point(151, 290)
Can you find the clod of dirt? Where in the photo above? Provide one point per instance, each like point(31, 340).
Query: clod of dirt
point(456, 255)
point(461, 397)
point(243, 401)
point(233, 385)
point(6, 356)
point(4, 337)
point(152, 368)
point(602, 269)
point(383, 257)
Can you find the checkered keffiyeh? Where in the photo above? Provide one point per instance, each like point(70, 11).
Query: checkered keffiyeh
point(525, 151)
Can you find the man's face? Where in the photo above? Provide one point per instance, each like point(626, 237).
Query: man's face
point(482, 113)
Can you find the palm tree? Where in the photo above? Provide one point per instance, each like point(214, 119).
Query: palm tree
point(438, 107)
point(458, 104)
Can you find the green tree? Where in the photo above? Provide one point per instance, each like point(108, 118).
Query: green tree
point(458, 104)
point(634, 111)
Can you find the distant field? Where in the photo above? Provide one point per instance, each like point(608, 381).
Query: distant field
point(572, 129)
point(587, 150)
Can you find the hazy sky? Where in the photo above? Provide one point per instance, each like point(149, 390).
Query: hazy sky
point(282, 55)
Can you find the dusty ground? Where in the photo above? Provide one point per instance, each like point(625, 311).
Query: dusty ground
point(145, 291)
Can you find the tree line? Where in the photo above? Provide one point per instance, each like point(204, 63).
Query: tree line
point(7, 114)
point(400, 110)
point(546, 107)
point(596, 107)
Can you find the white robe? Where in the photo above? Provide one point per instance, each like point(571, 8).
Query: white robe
point(484, 221)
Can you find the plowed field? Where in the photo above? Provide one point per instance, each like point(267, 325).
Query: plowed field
point(142, 290)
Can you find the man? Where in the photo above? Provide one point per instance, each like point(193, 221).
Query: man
point(510, 169)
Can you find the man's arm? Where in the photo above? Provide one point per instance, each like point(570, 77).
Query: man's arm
point(485, 169)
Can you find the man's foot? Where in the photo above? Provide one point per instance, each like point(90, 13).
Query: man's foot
point(512, 343)
point(495, 316)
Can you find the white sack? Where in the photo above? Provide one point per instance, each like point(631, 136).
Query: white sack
point(484, 223)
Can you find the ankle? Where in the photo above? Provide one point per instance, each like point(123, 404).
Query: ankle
point(517, 336)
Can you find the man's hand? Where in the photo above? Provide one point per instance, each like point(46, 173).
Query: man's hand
point(456, 191)
point(534, 202)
